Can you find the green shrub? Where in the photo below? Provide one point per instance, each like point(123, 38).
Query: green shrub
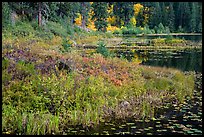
point(102, 49)
point(117, 32)
point(23, 29)
point(44, 34)
point(132, 30)
point(66, 44)
point(161, 28)
point(147, 30)
point(25, 68)
point(56, 29)
point(125, 31)
point(5, 63)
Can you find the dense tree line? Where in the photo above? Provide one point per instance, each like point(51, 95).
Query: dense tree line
point(177, 16)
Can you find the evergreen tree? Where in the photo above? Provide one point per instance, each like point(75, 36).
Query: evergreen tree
point(164, 14)
point(186, 16)
point(171, 17)
point(199, 17)
point(84, 10)
point(140, 18)
point(100, 15)
point(123, 11)
point(193, 18)
point(53, 11)
point(128, 12)
point(155, 15)
point(6, 14)
point(179, 15)
point(183, 13)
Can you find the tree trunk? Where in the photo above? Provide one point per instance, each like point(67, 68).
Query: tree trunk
point(39, 14)
point(13, 18)
point(83, 24)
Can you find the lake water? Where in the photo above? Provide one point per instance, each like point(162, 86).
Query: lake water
point(185, 60)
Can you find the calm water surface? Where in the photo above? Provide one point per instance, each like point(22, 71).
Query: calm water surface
point(185, 60)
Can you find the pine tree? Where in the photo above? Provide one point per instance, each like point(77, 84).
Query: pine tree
point(84, 10)
point(6, 14)
point(193, 18)
point(171, 17)
point(100, 15)
point(186, 16)
point(199, 17)
point(123, 11)
point(128, 12)
point(164, 14)
point(155, 15)
point(179, 15)
point(140, 18)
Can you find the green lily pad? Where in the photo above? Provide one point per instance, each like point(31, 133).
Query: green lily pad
point(130, 123)
point(138, 132)
point(117, 133)
point(146, 129)
point(159, 130)
point(150, 127)
point(198, 131)
point(113, 128)
point(73, 131)
point(188, 125)
point(190, 132)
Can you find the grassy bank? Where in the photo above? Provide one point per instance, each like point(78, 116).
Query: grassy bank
point(48, 86)
point(46, 90)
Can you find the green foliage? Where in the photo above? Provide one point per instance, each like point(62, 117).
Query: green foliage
point(25, 68)
point(102, 49)
point(23, 29)
point(6, 77)
point(27, 123)
point(51, 101)
point(171, 18)
point(56, 29)
point(174, 40)
point(160, 28)
point(147, 30)
point(44, 34)
point(100, 15)
point(5, 63)
point(123, 12)
point(6, 13)
point(117, 32)
point(40, 98)
point(66, 44)
point(155, 15)
point(134, 30)
point(140, 18)
point(180, 29)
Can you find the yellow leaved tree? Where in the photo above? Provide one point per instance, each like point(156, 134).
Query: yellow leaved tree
point(78, 20)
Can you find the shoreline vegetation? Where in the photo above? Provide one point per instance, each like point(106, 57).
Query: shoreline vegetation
point(48, 84)
point(163, 34)
point(46, 89)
